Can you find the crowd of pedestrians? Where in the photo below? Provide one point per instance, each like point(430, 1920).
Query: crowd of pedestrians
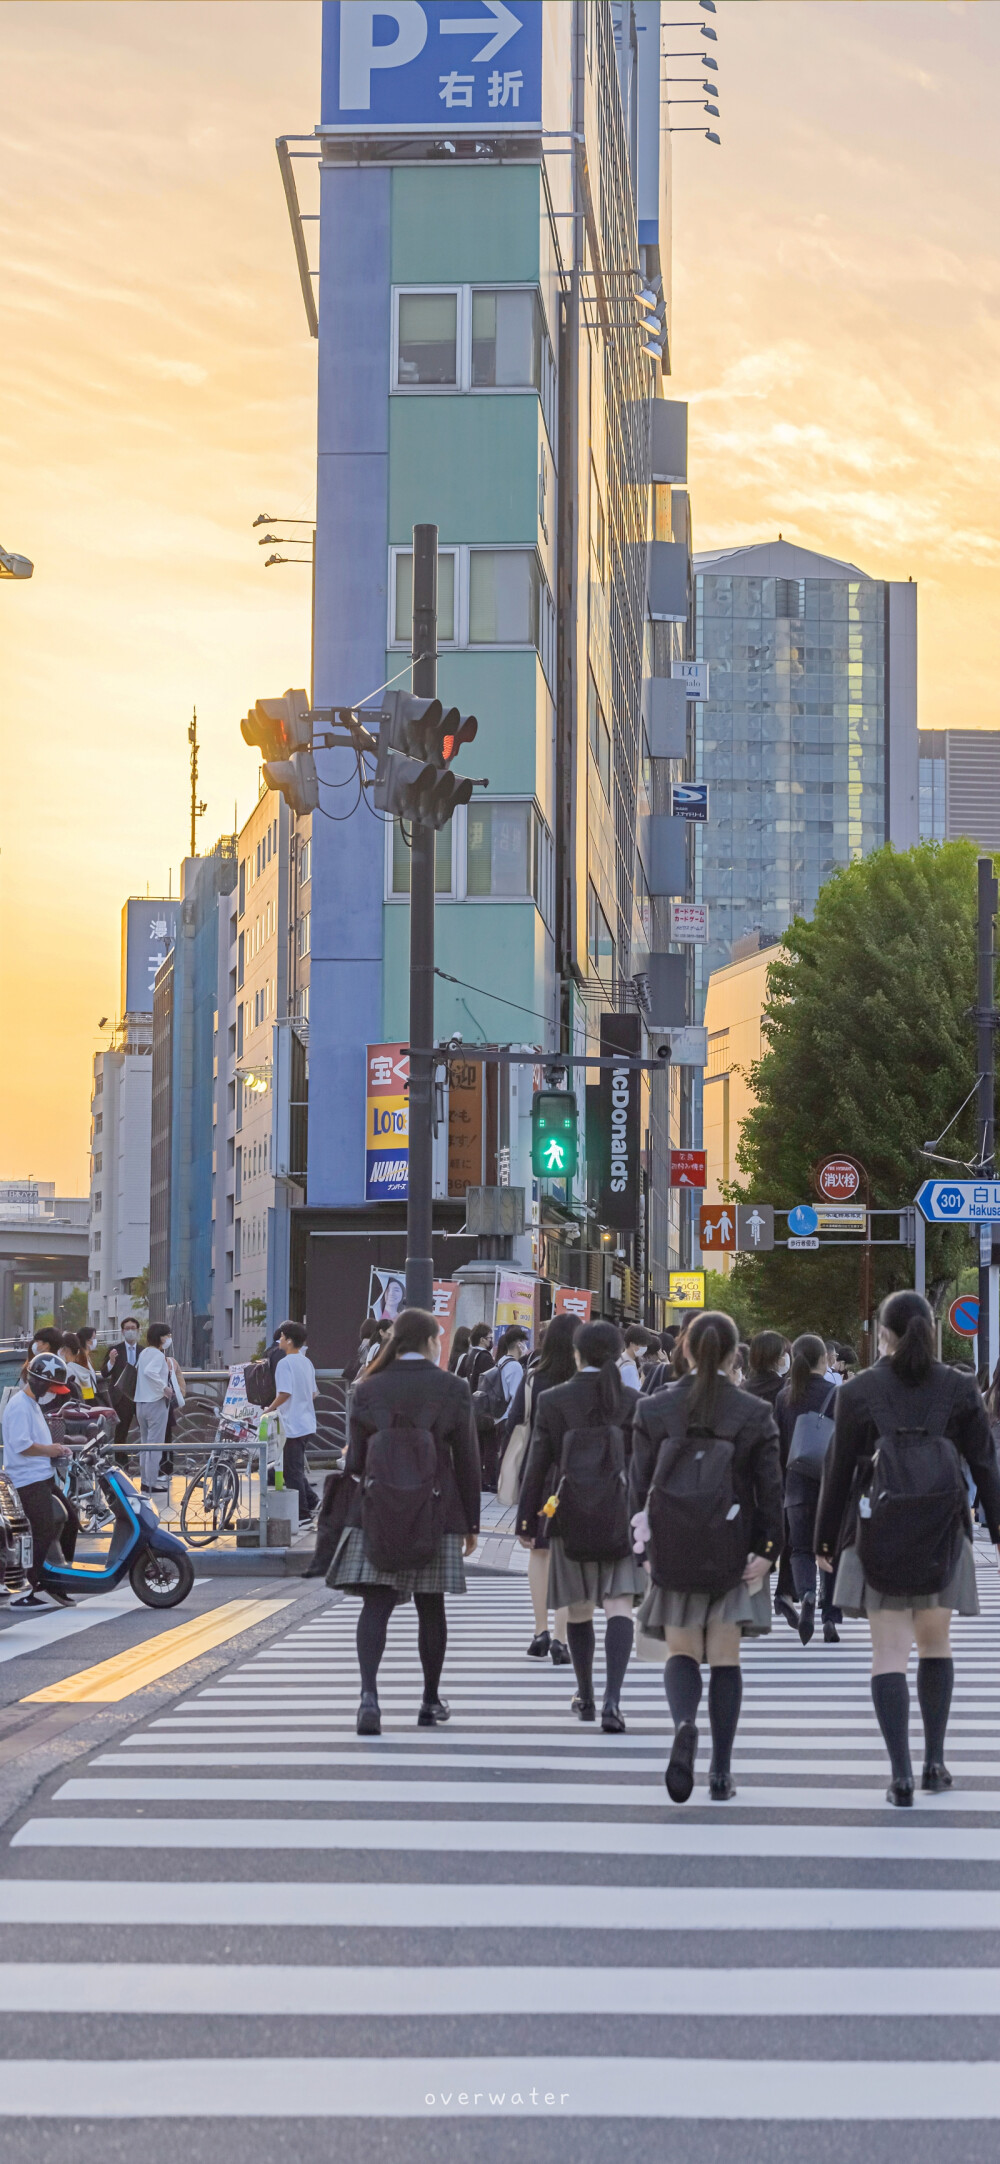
point(691, 1486)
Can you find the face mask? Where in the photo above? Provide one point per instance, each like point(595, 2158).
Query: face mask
point(167, 1345)
point(784, 1364)
point(130, 1336)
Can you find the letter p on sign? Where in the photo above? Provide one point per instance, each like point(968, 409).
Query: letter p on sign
point(359, 53)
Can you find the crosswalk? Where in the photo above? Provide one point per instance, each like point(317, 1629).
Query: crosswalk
point(241, 1913)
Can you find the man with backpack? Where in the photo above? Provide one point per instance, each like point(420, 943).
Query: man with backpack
point(493, 1395)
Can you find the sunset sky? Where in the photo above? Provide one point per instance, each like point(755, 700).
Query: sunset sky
point(836, 313)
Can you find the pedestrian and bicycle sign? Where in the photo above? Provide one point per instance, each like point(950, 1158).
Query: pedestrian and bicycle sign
point(959, 1202)
point(963, 1315)
point(802, 1221)
point(746, 1228)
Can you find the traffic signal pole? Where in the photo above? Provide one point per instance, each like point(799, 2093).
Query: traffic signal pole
point(423, 849)
point(985, 1062)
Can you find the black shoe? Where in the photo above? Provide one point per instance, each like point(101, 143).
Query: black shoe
point(900, 1793)
point(559, 1654)
point(369, 1721)
point(807, 1618)
point(612, 1719)
point(721, 1787)
point(584, 1708)
point(434, 1712)
point(783, 1606)
point(539, 1647)
point(935, 1777)
point(831, 1635)
point(29, 1600)
point(63, 1600)
point(679, 1775)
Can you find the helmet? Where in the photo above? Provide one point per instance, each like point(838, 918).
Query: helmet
point(48, 1374)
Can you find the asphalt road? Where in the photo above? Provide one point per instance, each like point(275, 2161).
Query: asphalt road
point(230, 1929)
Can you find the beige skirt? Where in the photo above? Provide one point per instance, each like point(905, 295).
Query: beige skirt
point(663, 1609)
point(856, 1597)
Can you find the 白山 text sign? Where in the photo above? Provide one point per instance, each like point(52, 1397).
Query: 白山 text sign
point(959, 1202)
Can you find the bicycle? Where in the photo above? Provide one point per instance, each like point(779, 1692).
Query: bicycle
point(212, 1497)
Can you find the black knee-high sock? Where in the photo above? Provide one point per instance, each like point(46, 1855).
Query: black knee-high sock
point(432, 1641)
point(725, 1696)
point(935, 1681)
point(891, 1700)
point(618, 1637)
point(377, 1605)
point(580, 1638)
point(682, 1682)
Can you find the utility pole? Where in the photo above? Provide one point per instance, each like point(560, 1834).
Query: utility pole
point(196, 808)
point(985, 1063)
point(423, 847)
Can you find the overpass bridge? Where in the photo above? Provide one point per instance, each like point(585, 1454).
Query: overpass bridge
point(49, 1248)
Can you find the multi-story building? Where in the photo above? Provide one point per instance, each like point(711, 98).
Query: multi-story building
point(486, 234)
point(121, 1111)
point(960, 786)
point(808, 738)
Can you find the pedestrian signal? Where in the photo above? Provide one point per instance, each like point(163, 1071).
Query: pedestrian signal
point(554, 1134)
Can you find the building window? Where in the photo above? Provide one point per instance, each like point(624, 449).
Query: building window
point(95, 1282)
point(239, 1032)
point(427, 340)
point(304, 1003)
point(504, 591)
point(509, 855)
point(97, 1204)
point(237, 1245)
point(600, 944)
point(305, 933)
point(240, 951)
point(600, 737)
point(239, 1175)
point(243, 888)
point(98, 1162)
point(598, 531)
point(399, 877)
point(98, 1083)
point(403, 603)
point(98, 1122)
point(96, 1243)
point(506, 340)
point(305, 860)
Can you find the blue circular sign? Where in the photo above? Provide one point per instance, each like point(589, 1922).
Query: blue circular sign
point(802, 1221)
point(963, 1315)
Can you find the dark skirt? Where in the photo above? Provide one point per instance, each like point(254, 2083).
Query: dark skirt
point(856, 1597)
point(571, 1582)
point(352, 1572)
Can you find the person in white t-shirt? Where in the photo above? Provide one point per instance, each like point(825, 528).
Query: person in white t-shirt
point(28, 1454)
point(295, 1387)
point(157, 1386)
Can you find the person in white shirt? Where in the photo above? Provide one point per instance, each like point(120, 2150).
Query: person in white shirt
point(28, 1454)
point(156, 1384)
point(295, 1394)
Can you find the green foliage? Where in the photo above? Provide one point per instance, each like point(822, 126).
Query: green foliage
point(73, 1313)
point(869, 1051)
point(140, 1290)
point(729, 1296)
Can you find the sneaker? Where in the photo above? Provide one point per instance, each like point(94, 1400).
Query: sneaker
point(30, 1600)
point(559, 1654)
point(62, 1600)
point(160, 1487)
point(679, 1775)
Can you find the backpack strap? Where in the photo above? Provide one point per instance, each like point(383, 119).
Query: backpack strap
point(944, 1386)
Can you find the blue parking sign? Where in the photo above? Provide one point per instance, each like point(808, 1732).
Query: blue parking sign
point(447, 65)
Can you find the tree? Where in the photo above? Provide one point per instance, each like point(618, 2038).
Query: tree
point(140, 1290)
point(728, 1296)
point(869, 1051)
point(74, 1310)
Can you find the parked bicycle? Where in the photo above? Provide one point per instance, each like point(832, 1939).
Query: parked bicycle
point(213, 1498)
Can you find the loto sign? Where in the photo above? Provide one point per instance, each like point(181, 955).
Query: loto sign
point(837, 1179)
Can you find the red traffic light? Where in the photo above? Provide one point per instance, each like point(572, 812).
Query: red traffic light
point(456, 729)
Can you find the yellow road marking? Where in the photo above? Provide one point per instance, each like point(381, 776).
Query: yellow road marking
point(132, 1670)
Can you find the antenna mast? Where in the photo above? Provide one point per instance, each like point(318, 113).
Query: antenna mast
point(196, 808)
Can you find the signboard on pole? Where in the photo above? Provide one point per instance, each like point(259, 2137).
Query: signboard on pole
point(149, 930)
point(445, 1307)
point(959, 1202)
point(465, 1125)
point(694, 675)
point(717, 1229)
point(840, 1217)
point(688, 1168)
point(754, 1228)
point(688, 1045)
point(963, 1315)
point(387, 1124)
point(413, 65)
point(689, 800)
point(573, 1300)
point(803, 1220)
point(619, 1099)
point(688, 923)
point(515, 1303)
point(686, 1288)
point(837, 1179)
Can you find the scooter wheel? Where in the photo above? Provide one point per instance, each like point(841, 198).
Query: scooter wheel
point(161, 1581)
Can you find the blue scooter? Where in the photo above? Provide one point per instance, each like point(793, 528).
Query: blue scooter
point(156, 1564)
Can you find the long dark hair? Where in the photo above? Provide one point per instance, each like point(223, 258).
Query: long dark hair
point(459, 1346)
point(765, 1352)
point(710, 1340)
point(556, 1363)
point(807, 1352)
point(911, 1319)
point(409, 1334)
point(599, 1345)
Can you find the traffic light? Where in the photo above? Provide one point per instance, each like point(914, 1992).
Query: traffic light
point(554, 1134)
point(282, 729)
point(417, 742)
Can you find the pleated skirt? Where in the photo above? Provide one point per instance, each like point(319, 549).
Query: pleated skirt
point(351, 1570)
point(570, 1582)
point(856, 1597)
point(663, 1609)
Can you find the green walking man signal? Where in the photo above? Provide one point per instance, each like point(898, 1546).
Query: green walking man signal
point(554, 1134)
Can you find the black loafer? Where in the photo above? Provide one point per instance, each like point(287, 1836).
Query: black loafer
point(369, 1721)
point(900, 1793)
point(584, 1708)
point(539, 1646)
point(807, 1619)
point(612, 1719)
point(559, 1654)
point(784, 1607)
point(831, 1635)
point(434, 1713)
point(935, 1778)
point(721, 1787)
point(679, 1775)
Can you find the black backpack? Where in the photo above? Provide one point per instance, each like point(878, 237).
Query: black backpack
point(913, 1507)
point(402, 1508)
point(592, 1518)
point(699, 1539)
point(258, 1382)
point(489, 1401)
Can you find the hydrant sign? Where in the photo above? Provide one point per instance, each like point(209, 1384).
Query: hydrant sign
point(837, 1179)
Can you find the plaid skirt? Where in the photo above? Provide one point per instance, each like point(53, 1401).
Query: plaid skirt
point(351, 1571)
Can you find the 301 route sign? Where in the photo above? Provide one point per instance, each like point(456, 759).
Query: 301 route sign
point(959, 1202)
point(688, 1168)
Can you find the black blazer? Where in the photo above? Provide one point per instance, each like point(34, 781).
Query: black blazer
point(116, 1372)
point(431, 1398)
point(575, 1404)
point(756, 1464)
point(857, 1432)
point(769, 1385)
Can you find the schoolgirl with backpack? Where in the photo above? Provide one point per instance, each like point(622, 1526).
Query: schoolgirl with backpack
point(414, 1462)
point(804, 1413)
point(893, 1523)
point(706, 1501)
point(576, 1475)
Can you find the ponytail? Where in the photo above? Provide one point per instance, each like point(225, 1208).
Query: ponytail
point(911, 1320)
point(710, 1340)
point(410, 1333)
point(807, 1353)
point(599, 1345)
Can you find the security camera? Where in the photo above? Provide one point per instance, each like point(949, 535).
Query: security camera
point(455, 1039)
point(663, 1051)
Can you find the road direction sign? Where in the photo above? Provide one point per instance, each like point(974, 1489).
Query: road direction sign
point(802, 1220)
point(688, 1168)
point(959, 1202)
point(963, 1315)
point(717, 1228)
point(754, 1228)
point(797, 1246)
